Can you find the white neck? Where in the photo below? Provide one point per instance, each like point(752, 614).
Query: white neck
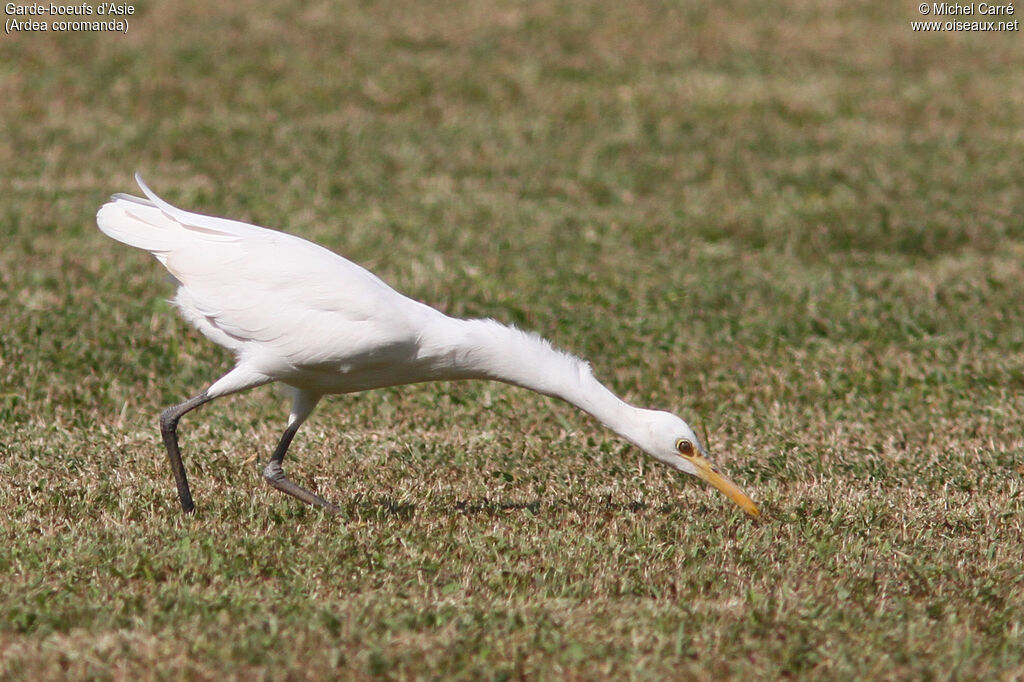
point(485, 349)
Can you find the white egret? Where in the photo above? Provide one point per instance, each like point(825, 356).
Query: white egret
point(294, 312)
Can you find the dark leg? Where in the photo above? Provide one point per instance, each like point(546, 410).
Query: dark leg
point(169, 429)
point(275, 474)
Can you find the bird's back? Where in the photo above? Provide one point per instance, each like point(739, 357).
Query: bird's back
point(272, 297)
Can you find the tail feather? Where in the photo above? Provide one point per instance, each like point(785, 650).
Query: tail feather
point(121, 196)
point(156, 226)
point(131, 222)
point(222, 228)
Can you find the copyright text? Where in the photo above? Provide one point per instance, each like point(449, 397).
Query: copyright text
point(970, 16)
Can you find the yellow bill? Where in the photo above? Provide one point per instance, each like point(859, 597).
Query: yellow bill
point(708, 472)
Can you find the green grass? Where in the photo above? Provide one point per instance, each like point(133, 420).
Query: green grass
point(798, 225)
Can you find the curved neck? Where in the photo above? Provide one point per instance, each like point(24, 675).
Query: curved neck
point(485, 349)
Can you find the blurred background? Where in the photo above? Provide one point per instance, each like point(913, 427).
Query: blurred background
point(798, 224)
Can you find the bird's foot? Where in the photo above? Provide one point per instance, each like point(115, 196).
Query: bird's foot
point(274, 475)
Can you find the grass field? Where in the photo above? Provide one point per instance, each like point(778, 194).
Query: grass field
point(798, 225)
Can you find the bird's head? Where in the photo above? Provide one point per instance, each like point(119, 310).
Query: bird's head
point(668, 438)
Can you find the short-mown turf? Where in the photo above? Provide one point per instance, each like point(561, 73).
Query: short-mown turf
point(798, 225)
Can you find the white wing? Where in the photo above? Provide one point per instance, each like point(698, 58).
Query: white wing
point(262, 292)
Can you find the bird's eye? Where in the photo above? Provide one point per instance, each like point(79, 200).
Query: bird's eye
point(684, 447)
